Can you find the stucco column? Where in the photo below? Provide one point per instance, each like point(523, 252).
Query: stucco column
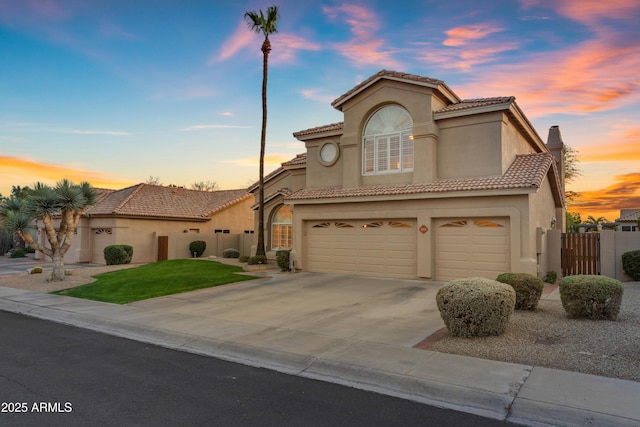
point(425, 153)
point(351, 162)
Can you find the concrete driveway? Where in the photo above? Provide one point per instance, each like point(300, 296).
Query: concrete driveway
point(389, 311)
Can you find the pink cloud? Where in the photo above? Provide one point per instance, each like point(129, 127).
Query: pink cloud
point(242, 37)
point(595, 75)
point(363, 48)
point(588, 11)
point(460, 36)
point(284, 45)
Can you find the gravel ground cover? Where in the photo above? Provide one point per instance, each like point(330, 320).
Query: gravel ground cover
point(545, 337)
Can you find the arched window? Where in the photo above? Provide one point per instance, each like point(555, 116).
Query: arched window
point(281, 228)
point(387, 142)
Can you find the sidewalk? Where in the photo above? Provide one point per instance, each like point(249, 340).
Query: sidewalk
point(367, 358)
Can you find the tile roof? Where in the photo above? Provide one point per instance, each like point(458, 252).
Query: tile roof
point(629, 215)
point(320, 129)
point(281, 192)
point(526, 171)
point(466, 104)
point(298, 160)
point(155, 201)
point(396, 75)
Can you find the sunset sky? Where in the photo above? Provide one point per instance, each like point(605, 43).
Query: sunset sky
point(114, 92)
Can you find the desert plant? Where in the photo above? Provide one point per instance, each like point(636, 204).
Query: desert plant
point(550, 277)
point(257, 259)
point(6, 241)
point(230, 253)
point(631, 264)
point(118, 254)
point(475, 306)
point(17, 253)
point(197, 247)
point(282, 258)
point(36, 270)
point(243, 258)
point(591, 297)
point(528, 289)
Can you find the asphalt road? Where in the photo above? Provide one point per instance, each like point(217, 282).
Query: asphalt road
point(53, 374)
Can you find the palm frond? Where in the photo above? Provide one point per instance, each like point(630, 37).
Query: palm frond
point(70, 195)
point(15, 221)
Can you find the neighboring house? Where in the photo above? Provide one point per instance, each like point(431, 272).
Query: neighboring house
point(418, 183)
point(628, 220)
point(140, 214)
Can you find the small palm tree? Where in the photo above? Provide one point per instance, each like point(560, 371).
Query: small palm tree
point(593, 220)
point(66, 201)
point(265, 24)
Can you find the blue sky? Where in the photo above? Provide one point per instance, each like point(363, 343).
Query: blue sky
point(114, 92)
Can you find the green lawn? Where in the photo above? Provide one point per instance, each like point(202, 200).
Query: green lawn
point(155, 280)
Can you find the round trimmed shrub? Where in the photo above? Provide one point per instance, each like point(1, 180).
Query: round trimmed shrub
point(118, 254)
point(631, 264)
point(197, 247)
point(36, 270)
point(528, 289)
point(257, 259)
point(586, 296)
point(475, 306)
point(230, 253)
point(550, 277)
point(243, 258)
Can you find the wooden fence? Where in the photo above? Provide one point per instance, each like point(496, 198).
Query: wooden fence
point(580, 253)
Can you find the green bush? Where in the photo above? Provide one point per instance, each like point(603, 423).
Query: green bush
point(18, 253)
point(36, 270)
point(118, 254)
point(550, 277)
point(197, 247)
point(475, 306)
point(230, 253)
point(282, 258)
point(6, 241)
point(528, 289)
point(591, 297)
point(631, 264)
point(257, 259)
point(243, 258)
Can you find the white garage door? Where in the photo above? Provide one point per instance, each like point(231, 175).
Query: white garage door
point(472, 247)
point(364, 247)
point(101, 238)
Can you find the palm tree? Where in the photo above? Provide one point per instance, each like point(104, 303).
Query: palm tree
point(66, 202)
point(266, 25)
point(592, 220)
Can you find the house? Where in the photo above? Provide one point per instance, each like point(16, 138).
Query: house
point(160, 222)
point(418, 183)
point(628, 220)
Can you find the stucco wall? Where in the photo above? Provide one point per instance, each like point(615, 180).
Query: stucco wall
point(543, 211)
point(470, 146)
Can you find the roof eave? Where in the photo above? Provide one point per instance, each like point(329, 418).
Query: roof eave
point(416, 196)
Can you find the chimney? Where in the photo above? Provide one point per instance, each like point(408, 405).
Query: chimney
point(556, 147)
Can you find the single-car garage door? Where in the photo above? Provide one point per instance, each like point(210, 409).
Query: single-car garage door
point(364, 247)
point(472, 247)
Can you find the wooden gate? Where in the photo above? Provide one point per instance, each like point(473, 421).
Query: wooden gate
point(163, 248)
point(580, 253)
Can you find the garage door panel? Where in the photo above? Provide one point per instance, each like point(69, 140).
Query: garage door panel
point(383, 247)
point(469, 247)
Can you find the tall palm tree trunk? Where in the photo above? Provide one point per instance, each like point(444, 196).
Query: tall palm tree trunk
point(266, 48)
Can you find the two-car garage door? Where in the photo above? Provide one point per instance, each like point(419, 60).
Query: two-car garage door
point(464, 247)
point(366, 247)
